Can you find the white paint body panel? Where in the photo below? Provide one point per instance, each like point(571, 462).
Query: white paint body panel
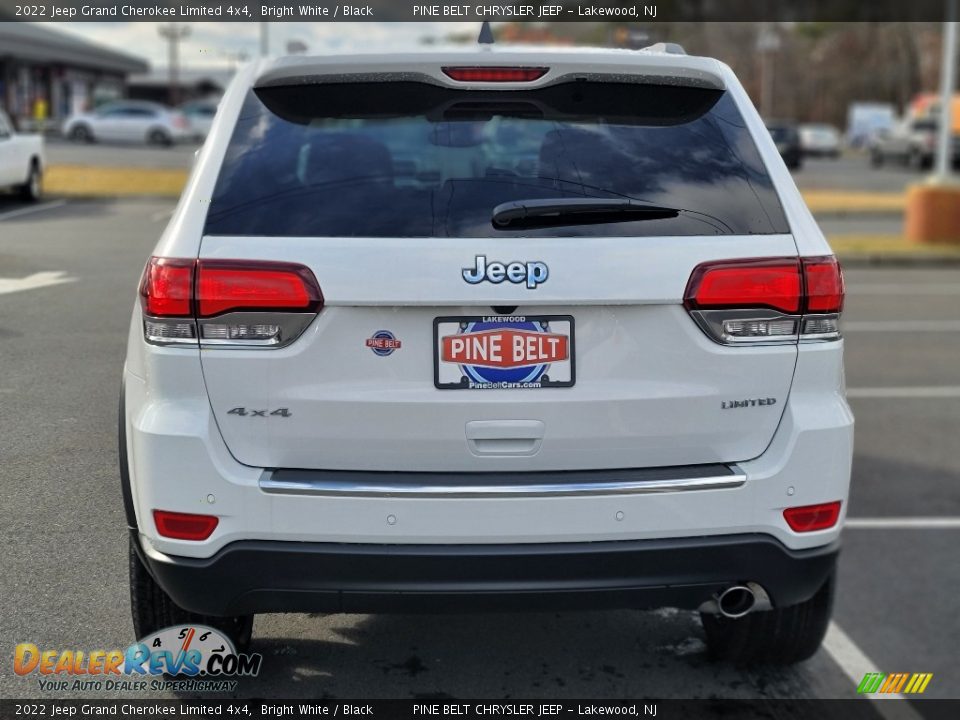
point(16, 153)
point(649, 387)
point(178, 459)
point(648, 392)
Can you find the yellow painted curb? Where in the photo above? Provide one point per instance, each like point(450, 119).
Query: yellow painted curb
point(89, 181)
point(886, 245)
point(826, 201)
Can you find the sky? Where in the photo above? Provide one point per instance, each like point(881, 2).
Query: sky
point(220, 44)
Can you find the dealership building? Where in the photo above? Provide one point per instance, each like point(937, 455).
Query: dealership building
point(191, 84)
point(46, 75)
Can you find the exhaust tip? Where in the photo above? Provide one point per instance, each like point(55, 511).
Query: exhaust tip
point(736, 601)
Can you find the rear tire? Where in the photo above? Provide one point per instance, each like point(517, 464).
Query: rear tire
point(917, 160)
point(154, 610)
point(781, 636)
point(159, 138)
point(32, 189)
point(81, 133)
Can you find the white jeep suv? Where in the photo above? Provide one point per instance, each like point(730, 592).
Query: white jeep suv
point(489, 328)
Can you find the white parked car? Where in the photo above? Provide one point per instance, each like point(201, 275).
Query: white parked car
point(911, 142)
point(485, 329)
point(21, 161)
point(820, 140)
point(130, 121)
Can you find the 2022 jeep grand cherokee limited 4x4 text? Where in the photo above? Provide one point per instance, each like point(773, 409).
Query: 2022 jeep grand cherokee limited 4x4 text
point(489, 329)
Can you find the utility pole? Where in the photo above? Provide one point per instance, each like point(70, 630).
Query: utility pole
point(933, 207)
point(768, 43)
point(948, 82)
point(173, 33)
point(264, 40)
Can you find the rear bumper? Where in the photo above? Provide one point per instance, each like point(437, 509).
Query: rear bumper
point(270, 576)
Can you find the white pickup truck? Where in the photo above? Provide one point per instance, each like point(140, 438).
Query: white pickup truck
point(21, 160)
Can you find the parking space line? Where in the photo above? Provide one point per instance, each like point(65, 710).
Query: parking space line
point(904, 289)
point(901, 326)
point(34, 281)
point(916, 391)
point(32, 209)
point(855, 664)
point(904, 523)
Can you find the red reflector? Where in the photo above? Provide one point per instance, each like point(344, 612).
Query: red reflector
point(224, 285)
point(824, 280)
point(495, 74)
point(184, 526)
point(746, 283)
point(812, 517)
point(166, 287)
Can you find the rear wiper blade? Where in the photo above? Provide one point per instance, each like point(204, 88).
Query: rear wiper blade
point(523, 214)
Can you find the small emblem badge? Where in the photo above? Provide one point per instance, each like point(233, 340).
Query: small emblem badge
point(749, 402)
point(383, 343)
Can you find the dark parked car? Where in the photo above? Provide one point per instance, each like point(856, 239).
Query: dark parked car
point(787, 138)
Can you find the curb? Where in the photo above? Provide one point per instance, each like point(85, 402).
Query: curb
point(85, 181)
point(863, 260)
point(892, 250)
point(843, 202)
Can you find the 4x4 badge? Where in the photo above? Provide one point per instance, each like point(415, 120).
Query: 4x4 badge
point(531, 273)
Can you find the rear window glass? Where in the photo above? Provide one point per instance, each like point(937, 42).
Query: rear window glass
point(409, 159)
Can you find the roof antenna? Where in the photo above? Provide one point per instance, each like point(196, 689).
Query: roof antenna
point(486, 34)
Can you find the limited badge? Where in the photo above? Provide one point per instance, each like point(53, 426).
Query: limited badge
point(383, 342)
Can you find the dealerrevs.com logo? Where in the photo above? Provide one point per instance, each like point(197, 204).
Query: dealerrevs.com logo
point(185, 657)
point(894, 683)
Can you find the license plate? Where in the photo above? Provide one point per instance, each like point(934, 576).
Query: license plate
point(503, 352)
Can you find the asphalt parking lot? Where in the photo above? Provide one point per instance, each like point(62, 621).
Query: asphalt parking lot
point(68, 273)
point(853, 172)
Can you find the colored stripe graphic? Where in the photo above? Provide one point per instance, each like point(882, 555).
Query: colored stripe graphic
point(893, 683)
point(870, 683)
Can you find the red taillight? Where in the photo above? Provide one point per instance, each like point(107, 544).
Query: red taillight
point(808, 285)
point(495, 74)
point(767, 300)
point(184, 526)
point(824, 284)
point(774, 284)
point(167, 287)
point(232, 285)
point(227, 302)
point(812, 517)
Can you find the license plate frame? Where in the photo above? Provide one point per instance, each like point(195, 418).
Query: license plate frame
point(471, 376)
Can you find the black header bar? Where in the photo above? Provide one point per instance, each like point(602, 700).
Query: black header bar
point(446, 708)
point(624, 11)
